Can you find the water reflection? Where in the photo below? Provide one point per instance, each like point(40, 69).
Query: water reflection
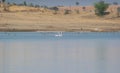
point(64, 54)
point(101, 57)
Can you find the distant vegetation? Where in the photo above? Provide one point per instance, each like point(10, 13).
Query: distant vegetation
point(100, 8)
point(3, 1)
point(77, 3)
point(83, 8)
point(77, 11)
point(25, 4)
point(115, 3)
point(67, 12)
point(118, 11)
point(55, 9)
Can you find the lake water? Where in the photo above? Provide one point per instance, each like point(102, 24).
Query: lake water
point(71, 52)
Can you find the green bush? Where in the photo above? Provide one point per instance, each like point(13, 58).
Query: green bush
point(100, 8)
point(25, 3)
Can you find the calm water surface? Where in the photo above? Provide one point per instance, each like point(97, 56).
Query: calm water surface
point(72, 52)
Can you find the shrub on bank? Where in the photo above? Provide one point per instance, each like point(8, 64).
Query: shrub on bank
point(100, 8)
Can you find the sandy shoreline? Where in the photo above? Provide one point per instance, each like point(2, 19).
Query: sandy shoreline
point(46, 30)
point(35, 21)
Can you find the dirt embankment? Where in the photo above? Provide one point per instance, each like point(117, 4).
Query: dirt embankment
point(28, 19)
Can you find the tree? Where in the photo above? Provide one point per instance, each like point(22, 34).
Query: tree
point(31, 5)
point(8, 3)
point(55, 9)
point(100, 8)
point(77, 3)
point(25, 4)
point(77, 11)
point(3, 1)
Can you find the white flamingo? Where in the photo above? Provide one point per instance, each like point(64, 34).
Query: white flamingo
point(59, 34)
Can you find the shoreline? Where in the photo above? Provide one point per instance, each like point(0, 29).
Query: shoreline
point(50, 30)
